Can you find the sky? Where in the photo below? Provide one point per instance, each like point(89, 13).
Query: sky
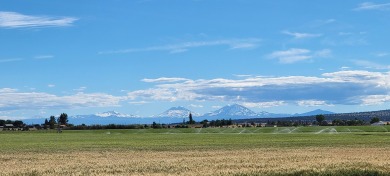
point(142, 57)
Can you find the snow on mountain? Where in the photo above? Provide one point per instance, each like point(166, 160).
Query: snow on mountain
point(114, 114)
point(234, 110)
point(177, 112)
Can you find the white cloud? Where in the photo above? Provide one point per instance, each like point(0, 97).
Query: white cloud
point(80, 89)
point(342, 87)
point(10, 60)
point(242, 75)
point(183, 47)
point(195, 106)
point(51, 85)
point(382, 54)
point(43, 57)
point(17, 20)
point(375, 99)
point(164, 79)
point(11, 99)
point(138, 102)
point(293, 55)
point(371, 65)
point(372, 6)
point(298, 35)
point(8, 90)
point(310, 103)
point(263, 104)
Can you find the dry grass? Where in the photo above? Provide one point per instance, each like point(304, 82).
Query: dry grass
point(261, 161)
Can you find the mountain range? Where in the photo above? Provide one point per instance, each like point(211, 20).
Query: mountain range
point(174, 115)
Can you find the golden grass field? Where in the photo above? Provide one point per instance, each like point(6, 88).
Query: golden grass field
point(124, 153)
point(255, 161)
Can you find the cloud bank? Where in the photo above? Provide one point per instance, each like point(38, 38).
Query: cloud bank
point(12, 99)
point(343, 87)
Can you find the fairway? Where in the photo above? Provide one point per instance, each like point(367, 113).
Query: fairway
point(209, 151)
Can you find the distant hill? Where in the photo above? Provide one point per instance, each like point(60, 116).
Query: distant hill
point(384, 115)
point(315, 112)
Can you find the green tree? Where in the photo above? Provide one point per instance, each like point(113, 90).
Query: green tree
point(18, 123)
point(156, 125)
point(320, 118)
point(374, 120)
point(205, 123)
point(63, 119)
point(52, 122)
point(192, 121)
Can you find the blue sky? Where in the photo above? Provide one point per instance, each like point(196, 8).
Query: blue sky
point(141, 57)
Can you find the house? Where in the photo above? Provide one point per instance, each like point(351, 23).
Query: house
point(11, 127)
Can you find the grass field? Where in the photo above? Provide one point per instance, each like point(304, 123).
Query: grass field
point(212, 151)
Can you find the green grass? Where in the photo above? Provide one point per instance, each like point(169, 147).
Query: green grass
point(196, 139)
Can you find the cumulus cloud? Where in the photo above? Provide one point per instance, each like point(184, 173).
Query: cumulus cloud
point(17, 20)
point(372, 6)
point(183, 47)
point(343, 87)
point(293, 55)
point(12, 99)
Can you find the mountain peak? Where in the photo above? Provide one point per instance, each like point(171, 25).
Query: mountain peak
point(232, 110)
point(177, 112)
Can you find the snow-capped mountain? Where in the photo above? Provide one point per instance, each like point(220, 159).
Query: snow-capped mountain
point(114, 114)
point(173, 115)
point(230, 111)
point(177, 112)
